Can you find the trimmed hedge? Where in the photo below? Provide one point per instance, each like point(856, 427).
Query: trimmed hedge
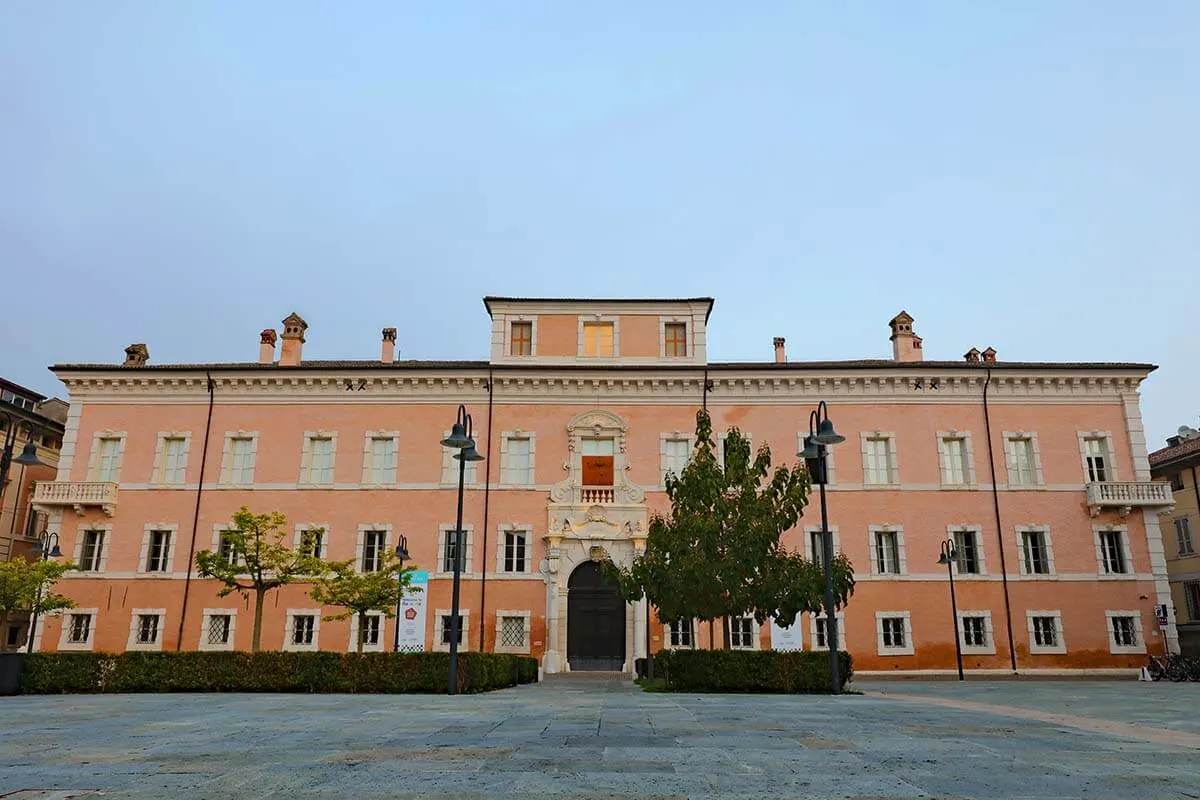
point(749, 671)
point(387, 673)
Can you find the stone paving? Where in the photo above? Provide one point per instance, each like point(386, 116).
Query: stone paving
point(607, 739)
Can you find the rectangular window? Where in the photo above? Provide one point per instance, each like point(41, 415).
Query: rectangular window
point(974, 632)
point(147, 629)
point(383, 460)
point(512, 632)
point(887, 553)
point(447, 628)
point(80, 628)
point(1096, 455)
point(820, 637)
point(370, 630)
point(598, 339)
point(1112, 553)
point(374, 543)
point(449, 550)
point(108, 458)
point(219, 627)
point(877, 468)
point(241, 460)
point(1183, 536)
point(675, 339)
point(515, 553)
point(518, 464)
point(817, 548)
point(893, 632)
point(1023, 464)
point(303, 629)
point(741, 633)
point(174, 460)
point(521, 339)
point(682, 633)
point(158, 551)
point(1191, 594)
point(1177, 482)
point(955, 469)
point(597, 462)
point(676, 454)
point(91, 551)
point(1035, 553)
point(1124, 632)
point(1045, 632)
point(320, 465)
point(15, 631)
point(312, 543)
point(966, 552)
point(227, 547)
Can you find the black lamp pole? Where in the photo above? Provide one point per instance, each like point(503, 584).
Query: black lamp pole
point(402, 555)
point(820, 435)
point(47, 548)
point(459, 439)
point(947, 557)
point(28, 455)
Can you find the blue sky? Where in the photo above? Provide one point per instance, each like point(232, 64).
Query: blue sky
point(185, 174)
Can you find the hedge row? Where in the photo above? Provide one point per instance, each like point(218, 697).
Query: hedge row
point(749, 671)
point(390, 673)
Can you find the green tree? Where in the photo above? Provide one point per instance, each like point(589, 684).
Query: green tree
point(362, 592)
point(717, 553)
point(26, 588)
point(253, 558)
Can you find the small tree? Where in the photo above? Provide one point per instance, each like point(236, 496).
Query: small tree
point(254, 558)
point(362, 592)
point(26, 588)
point(717, 553)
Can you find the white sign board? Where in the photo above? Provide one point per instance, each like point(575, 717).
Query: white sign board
point(786, 638)
point(412, 614)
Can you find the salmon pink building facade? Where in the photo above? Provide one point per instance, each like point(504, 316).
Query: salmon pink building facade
point(1037, 472)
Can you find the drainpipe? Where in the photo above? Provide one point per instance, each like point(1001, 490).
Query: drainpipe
point(487, 491)
point(187, 582)
point(987, 423)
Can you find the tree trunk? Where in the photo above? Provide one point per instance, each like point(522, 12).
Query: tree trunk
point(259, 596)
point(725, 633)
point(712, 633)
point(4, 634)
point(362, 629)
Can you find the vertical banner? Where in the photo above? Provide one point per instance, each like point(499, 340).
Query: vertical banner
point(412, 614)
point(786, 638)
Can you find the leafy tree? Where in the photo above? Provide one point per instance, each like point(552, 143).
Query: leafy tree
point(361, 592)
point(717, 553)
point(254, 558)
point(25, 588)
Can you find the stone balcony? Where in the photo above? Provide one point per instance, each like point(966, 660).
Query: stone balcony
point(1124, 496)
point(79, 495)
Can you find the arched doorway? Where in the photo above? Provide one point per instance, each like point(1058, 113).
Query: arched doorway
point(595, 621)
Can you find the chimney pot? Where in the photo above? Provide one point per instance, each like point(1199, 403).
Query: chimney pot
point(388, 351)
point(290, 353)
point(906, 345)
point(780, 352)
point(989, 356)
point(266, 346)
point(971, 356)
point(136, 355)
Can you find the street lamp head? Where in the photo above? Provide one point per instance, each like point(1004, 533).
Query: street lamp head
point(55, 552)
point(29, 456)
point(943, 560)
point(826, 434)
point(811, 451)
point(402, 548)
point(469, 453)
point(458, 438)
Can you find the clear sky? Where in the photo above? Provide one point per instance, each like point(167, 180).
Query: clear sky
point(1015, 174)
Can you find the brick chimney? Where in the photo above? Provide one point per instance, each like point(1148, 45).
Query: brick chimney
point(989, 355)
point(136, 355)
point(388, 352)
point(906, 345)
point(780, 352)
point(294, 327)
point(266, 346)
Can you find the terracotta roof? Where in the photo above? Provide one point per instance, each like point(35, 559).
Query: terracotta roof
point(1181, 451)
point(487, 301)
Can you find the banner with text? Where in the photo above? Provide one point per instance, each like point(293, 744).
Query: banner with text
point(412, 614)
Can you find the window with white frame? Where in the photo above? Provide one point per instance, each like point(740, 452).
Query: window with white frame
point(723, 445)
point(681, 633)
point(227, 546)
point(742, 633)
point(599, 339)
point(237, 467)
point(447, 550)
point(887, 547)
point(303, 629)
point(520, 338)
point(107, 450)
point(1036, 556)
point(379, 460)
point(893, 631)
point(968, 553)
point(813, 543)
point(217, 628)
point(675, 339)
point(879, 459)
point(444, 630)
point(676, 453)
point(172, 459)
point(1125, 632)
point(514, 555)
point(954, 451)
point(78, 629)
point(516, 460)
point(372, 555)
point(820, 627)
point(1112, 551)
point(371, 632)
point(1045, 632)
point(146, 629)
point(1183, 536)
point(91, 550)
point(1021, 456)
point(319, 450)
point(975, 631)
point(1097, 458)
point(157, 546)
point(311, 541)
point(512, 632)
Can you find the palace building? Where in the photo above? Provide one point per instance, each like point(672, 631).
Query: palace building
point(1038, 473)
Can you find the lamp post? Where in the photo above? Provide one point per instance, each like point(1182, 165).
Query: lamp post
point(28, 457)
point(402, 556)
point(947, 557)
point(459, 439)
point(46, 548)
point(820, 436)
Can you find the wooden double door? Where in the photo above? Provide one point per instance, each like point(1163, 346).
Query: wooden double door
point(595, 621)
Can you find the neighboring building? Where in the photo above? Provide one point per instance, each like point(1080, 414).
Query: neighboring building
point(1177, 464)
point(581, 409)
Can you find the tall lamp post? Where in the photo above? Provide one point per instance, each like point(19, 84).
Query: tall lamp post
point(947, 557)
point(46, 548)
point(460, 439)
point(820, 436)
point(402, 556)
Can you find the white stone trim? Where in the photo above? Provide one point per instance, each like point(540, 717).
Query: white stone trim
point(840, 616)
point(666, 634)
point(80, 530)
point(893, 477)
point(1010, 456)
point(980, 550)
point(944, 459)
point(501, 530)
point(501, 648)
point(288, 645)
point(368, 467)
point(755, 635)
point(989, 648)
point(227, 457)
point(873, 548)
point(173, 544)
point(360, 542)
point(158, 477)
point(588, 319)
point(380, 646)
point(1101, 566)
point(94, 455)
point(1036, 649)
point(306, 459)
point(70, 442)
point(689, 327)
point(134, 618)
point(444, 647)
point(1021, 530)
point(675, 436)
point(907, 650)
point(506, 469)
point(300, 528)
point(209, 613)
point(64, 636)
point(507, 322)
point(1113, 647)
point(468, 537)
